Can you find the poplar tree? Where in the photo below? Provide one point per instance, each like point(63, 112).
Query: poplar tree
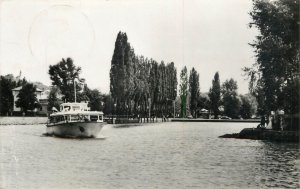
point(194, 91)
point(118, 83)
point(183, 90)
point(215, 95)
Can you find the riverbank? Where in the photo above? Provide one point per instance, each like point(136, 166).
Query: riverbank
point(216, 120)
point(22, 120)
point(43, 120)
point(265, 134)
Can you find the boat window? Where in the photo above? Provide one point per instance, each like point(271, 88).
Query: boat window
point(60, 118)
point(85, 117)
point(76, 108)
point(67, 108)
point(52, 120)
point(94, 118)
point(56, 119)
point(74, 117)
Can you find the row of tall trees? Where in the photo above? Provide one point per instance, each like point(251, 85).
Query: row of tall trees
point(220, 100)
point(139, 85)
point(274, 78)
point(189, 90)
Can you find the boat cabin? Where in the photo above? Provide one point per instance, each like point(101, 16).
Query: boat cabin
point(65, 107)
point(75, 112)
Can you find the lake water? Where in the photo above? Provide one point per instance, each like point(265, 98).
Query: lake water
point(162, 155)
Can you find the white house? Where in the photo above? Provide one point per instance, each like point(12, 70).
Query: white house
point(16, 91)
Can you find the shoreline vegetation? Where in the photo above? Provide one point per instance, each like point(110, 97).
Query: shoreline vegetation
point(265, 134)
point(8, 120)
point(143, 88)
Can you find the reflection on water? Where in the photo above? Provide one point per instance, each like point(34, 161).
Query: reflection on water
point(278, 162)
point(164, 155)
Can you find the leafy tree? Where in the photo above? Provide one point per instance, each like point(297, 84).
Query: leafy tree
point(6, 96)
point(183, 90)
point(7, 83)
point(53, 100)
point(274, 78)
point(245, 109)
point(230, 99)
point(204, 101)
point(194, 91)
point(95, 99)
point(215, 95)
point(108, 104)
point(27, 98)
point(63, 75)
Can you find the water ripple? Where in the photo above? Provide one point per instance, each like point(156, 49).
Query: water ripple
point(169, 155)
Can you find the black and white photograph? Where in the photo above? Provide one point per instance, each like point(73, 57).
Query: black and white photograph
point(149, 94)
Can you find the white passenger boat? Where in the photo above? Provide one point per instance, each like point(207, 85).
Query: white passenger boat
point(75, 120)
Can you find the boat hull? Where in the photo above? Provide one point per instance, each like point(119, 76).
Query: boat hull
point(75, 129)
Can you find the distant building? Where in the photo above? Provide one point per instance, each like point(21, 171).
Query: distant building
point(41, 97)
point(44, 102)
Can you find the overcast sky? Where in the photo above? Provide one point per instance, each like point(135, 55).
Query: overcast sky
point(210, 35)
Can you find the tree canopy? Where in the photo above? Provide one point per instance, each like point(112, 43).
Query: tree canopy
point(96, 99)
point(194, 89)
point(183, 90)
point(139, 84)
point(27, 98)
point(7, 83)
point(63, 75)
point(230, 98)
point(6, 96)
point(53, 100)
point(274, 78)
point(215, 95)
point(247, 107)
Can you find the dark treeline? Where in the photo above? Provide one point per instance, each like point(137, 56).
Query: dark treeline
point(138, 83)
